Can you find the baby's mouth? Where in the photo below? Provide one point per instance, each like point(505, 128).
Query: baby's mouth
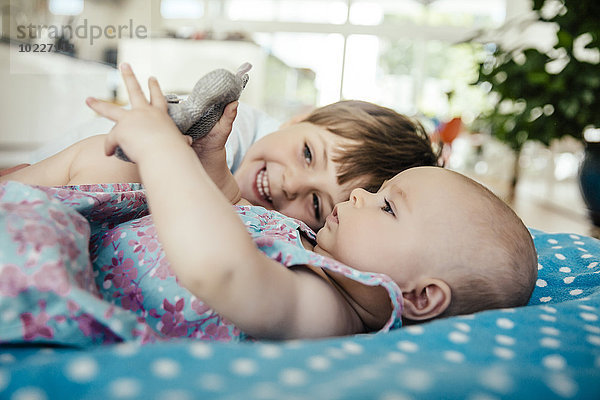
point(262, 184)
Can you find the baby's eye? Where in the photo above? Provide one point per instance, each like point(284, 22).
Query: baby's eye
point(307, 154)
point(387, 208)
point(317, 207)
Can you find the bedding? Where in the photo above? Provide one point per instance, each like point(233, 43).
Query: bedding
point(549, 349)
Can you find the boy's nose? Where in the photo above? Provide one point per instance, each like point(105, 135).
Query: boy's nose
point(293, 184)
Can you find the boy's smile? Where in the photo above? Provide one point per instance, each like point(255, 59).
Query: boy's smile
point(293, 172)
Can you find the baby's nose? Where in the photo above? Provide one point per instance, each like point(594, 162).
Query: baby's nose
point(357, 197)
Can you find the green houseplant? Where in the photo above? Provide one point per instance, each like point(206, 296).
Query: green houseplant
point(546, 95)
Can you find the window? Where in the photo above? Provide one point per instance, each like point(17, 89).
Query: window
point(66, 7)
point(309, 11)
point(181, 9)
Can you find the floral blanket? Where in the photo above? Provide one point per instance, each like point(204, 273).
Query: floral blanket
point(83, 265)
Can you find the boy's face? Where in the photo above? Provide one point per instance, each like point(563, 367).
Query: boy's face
point(399, 231)
point(292, 171)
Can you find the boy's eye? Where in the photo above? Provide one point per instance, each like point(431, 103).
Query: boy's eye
point(387, 208)
point(307, 153)
point(317, 207)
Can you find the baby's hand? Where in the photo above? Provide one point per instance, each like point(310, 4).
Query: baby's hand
point(214, 141)
point(144, 129)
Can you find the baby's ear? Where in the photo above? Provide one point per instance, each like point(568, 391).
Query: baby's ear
point(429, 299)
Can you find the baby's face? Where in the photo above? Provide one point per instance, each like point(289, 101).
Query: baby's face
point(401, 230)
point(292, 171)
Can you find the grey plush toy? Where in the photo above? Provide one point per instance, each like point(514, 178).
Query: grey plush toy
point(201, 110)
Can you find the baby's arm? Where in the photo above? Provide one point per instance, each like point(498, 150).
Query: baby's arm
point(206, 243)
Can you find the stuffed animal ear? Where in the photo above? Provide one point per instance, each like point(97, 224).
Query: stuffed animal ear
point(429, 299)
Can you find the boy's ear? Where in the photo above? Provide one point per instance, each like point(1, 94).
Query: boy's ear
point(429, 299)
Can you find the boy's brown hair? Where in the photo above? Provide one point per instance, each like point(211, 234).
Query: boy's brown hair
point(386, 142)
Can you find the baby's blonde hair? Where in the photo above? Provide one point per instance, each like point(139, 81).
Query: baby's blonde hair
point(498, 267)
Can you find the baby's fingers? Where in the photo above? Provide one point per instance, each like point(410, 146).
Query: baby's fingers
point(136, 95)
point(108, 110)
point(157, 98)
point(110, 144)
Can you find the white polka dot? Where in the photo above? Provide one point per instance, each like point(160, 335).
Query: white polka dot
point(266, 390)
point(7, 358)
point(578, 242)
point(293, 377)
point(541, 283)
point(575, 292)
point(414, 330)
point(165, 368)
point(548, 330)
point(4, 379)
point(396, 358)
point(574, 237)
point(416, 379)
point(458, 337)
point(587, 256)
point(588, 316)
point(244, 366)
point(554, 361)
point(81, 369)
point(200, 350)
point(454, 356)
point(562, 385)
point(560, 256)
point(540, 266)
point(211, 382)
point(269, 351)
point(545, 299)
point(566, 270)
point(552, 241)
point(394, 396)
point(174, 394)
point(352, 348)
point(505, 340)
point(593, 339)
point(29, 393)
point(550, 343)
point(548, 318)
point(336, 353)
point(123, 388)
point(461, 326)
point(496, 379)
point(569, 279)
point(593, 265)
point(504, 353)
point(586, 307)
point(548, 309)
point(318, 363)
point(592, 329)
point(508, 310)
point(126, 349)
point(557, 247)
point(409, 347)
point(582, 249)
point(482, 396)
point(505, 323)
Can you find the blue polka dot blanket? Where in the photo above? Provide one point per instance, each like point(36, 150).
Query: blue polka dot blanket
point(549, 349)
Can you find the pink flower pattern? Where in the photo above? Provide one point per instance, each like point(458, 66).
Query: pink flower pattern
point(89, 256)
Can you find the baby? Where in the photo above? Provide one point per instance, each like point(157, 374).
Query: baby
point(448, 244)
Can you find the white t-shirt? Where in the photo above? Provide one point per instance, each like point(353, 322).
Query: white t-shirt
point(249, 126)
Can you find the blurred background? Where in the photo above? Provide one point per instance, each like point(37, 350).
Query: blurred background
point(510, 86)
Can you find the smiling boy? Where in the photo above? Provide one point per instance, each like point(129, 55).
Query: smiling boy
point(302, 169)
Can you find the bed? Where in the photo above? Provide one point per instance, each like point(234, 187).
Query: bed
point(548, 349)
